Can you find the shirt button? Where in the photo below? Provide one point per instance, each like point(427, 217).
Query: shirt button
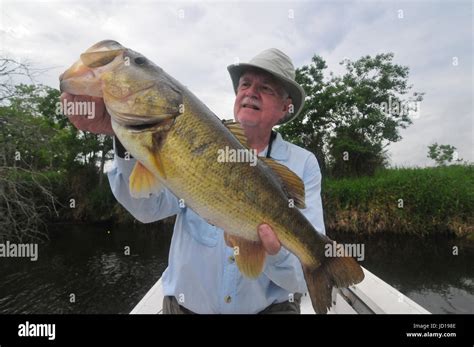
point(228, 299)
point(231, 259)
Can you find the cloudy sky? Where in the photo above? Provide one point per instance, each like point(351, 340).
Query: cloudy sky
point(194, 41)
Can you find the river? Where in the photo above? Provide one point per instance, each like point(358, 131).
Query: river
point(101, 269)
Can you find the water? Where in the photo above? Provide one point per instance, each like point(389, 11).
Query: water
point(425, 270)
point(90, 263)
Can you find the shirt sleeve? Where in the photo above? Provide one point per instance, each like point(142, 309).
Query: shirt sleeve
point(146, 210)
point(284, 268)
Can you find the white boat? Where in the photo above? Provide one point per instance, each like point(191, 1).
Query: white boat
point(372, 295)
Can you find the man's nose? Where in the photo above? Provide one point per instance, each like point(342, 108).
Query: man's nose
point(252, 91)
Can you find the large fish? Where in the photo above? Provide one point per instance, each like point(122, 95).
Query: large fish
point(176, 140)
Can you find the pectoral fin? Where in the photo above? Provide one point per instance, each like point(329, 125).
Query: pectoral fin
point(249, 255)
point(143, 182)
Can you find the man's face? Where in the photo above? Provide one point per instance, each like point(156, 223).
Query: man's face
point(260, 101)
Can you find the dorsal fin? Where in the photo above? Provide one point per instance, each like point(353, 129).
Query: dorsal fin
point(292, 184)
point(236, 129)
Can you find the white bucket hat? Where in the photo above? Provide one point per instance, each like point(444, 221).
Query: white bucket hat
point(279, 65)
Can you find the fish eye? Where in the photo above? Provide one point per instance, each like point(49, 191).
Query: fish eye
point(140, 61)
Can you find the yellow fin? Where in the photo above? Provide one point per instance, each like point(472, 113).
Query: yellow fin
point(249, 255)
point(143, 182)
point(236, 129)
point(292, 184)
point(159, 167)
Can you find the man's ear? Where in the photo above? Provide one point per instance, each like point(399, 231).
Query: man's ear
point(288, 106)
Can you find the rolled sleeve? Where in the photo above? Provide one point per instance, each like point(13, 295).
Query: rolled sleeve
point(284, 269)
point(146, 210)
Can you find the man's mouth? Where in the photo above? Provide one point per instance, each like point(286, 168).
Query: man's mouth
point(255, 107)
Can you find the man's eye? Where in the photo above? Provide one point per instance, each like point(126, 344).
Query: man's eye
point(267, 90)
point(244, 84)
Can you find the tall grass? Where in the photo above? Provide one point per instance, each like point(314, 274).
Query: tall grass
point(418, 201)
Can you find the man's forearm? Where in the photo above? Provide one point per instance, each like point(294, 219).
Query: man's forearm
point(146, 210)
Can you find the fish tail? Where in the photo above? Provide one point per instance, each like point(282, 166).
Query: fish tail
point(337, 272)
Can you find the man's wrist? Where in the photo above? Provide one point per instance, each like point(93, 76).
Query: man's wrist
point(278, 258)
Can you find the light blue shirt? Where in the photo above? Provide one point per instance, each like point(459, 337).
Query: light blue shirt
point(201, 272)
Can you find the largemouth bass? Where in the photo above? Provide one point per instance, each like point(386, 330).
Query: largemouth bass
point(176, 140)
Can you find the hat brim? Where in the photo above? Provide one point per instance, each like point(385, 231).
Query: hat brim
point(295, 91)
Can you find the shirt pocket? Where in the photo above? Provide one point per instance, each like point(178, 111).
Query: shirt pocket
point(200, 230)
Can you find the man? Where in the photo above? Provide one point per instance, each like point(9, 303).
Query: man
point(202, 276)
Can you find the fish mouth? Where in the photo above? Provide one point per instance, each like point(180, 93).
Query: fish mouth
point(94, 60)
point(79, 79)
point(83, 77)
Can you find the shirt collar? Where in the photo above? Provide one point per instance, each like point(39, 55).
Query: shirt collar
point(279, 149)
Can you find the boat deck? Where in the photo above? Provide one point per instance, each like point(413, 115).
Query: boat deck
point(372, 295)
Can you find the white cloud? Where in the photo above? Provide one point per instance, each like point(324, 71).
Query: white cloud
point(195, 41)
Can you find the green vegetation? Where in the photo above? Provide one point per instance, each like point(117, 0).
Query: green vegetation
point(349, 120)
point(52, 172)
point(442, 154)
point(404, 201)
point(45, 162)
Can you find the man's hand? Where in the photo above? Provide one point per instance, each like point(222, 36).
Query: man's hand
point(99, 124)
point(269, 239)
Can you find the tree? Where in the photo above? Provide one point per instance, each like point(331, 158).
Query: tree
point(349, 120)
point(26, 134)
point(26, 201)
point(35, 136)
point(25, 196)
point(442, 154)
point(308, 129)
point(9, 69)
point(44, 159)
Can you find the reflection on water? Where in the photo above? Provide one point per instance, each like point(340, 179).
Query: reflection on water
point(426, 271)
point(90, 263)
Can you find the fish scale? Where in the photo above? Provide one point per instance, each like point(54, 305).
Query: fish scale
point(179, 151)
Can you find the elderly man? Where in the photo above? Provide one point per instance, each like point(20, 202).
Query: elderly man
point(202, 276)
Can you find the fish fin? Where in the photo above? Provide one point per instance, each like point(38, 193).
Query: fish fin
point(249, 255)
point(337, 272)
point(143, 182)
point(157, 161)
point(236, 129)
point(292, 184)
